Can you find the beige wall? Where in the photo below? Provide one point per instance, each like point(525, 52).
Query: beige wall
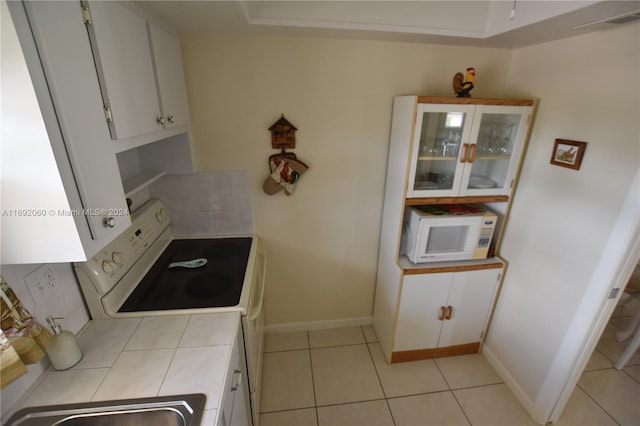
point(323, 240)
point(562, 219)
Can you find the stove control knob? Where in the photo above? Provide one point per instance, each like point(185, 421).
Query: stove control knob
point(108, 267)
point(162, 215)
point(118, 258)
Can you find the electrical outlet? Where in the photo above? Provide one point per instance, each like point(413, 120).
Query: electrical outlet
point(41, 283)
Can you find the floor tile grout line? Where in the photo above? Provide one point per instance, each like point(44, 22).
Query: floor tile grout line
point(444, 377)
point(597, 403)
point(313, 382)
point(466, 416)
point(375, 368)
point(612, 367)
point(629, 375)
point(288, 409)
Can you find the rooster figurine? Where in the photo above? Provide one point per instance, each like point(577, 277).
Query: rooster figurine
point(463, 85)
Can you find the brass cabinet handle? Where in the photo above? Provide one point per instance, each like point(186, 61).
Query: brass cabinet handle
point(463, 157)
point(472, 155)
point(449, 312)
point(442, 313)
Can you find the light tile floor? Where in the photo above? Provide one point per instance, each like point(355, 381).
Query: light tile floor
point(339, 377)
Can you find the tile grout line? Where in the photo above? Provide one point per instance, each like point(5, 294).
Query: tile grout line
point(313, 382)
point(597, 403)
point(375, 368)
point(466, 416)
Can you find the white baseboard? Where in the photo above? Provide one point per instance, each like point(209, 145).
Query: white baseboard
point(512, 384)
point(318, 325)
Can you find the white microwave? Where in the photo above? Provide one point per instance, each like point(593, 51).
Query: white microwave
point(440, 233)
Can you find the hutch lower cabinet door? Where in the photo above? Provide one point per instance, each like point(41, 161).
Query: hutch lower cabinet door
point(443, 314)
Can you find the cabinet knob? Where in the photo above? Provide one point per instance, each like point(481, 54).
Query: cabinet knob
point(109, 222)
point(170, 119)
point(160, 120)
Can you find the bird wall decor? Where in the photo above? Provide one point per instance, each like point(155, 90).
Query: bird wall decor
point(462, 85)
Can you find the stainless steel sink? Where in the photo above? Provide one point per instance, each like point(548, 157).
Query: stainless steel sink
point(177, 410)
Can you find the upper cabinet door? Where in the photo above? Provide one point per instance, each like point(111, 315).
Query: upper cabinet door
point(497, 138)
point(120, 46)
point(441, 139)
point(169, 73)
point(466, 150)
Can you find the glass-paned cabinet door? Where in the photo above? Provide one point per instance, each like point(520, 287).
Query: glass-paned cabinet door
point(441, 131)
point(498, 134)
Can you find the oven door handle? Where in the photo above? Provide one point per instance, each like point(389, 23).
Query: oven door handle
point(263, 278)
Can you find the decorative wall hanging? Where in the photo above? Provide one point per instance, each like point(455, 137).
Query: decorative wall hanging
point(285, 168)
point(283, 134)
point(568, 153)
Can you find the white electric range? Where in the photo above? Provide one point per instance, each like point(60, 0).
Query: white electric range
point(131, 277)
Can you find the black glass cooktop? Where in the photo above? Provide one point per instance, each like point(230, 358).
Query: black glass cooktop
point(216, 284)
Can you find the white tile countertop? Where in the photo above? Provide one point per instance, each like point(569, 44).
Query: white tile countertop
point(143, 357)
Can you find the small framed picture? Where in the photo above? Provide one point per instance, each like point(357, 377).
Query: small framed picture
point(568, 153)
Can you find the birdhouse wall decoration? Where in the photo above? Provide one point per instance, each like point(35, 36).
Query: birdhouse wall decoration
point(283, 134)
point(284, 168)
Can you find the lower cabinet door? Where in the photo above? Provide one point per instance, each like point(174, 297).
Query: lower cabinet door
point(468, 306)
point(421, 302)
point(444, 309)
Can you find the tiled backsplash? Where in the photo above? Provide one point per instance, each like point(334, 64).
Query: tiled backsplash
point(211, 202)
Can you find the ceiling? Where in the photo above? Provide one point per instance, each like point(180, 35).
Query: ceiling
point(482, 23)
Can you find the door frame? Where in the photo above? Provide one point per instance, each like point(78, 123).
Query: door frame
point(618, 261)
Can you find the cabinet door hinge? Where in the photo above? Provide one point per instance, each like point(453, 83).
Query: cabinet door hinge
point(107, 115)
point(86, 15)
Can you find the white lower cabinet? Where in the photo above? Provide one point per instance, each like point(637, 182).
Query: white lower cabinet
point(444, 310)
point(234, 409)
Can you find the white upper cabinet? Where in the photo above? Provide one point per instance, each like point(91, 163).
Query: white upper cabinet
point(64, 73)
point(466, 150)
point(125, 69)
point(169, 74)
point(140, 70)
point(61, 187)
